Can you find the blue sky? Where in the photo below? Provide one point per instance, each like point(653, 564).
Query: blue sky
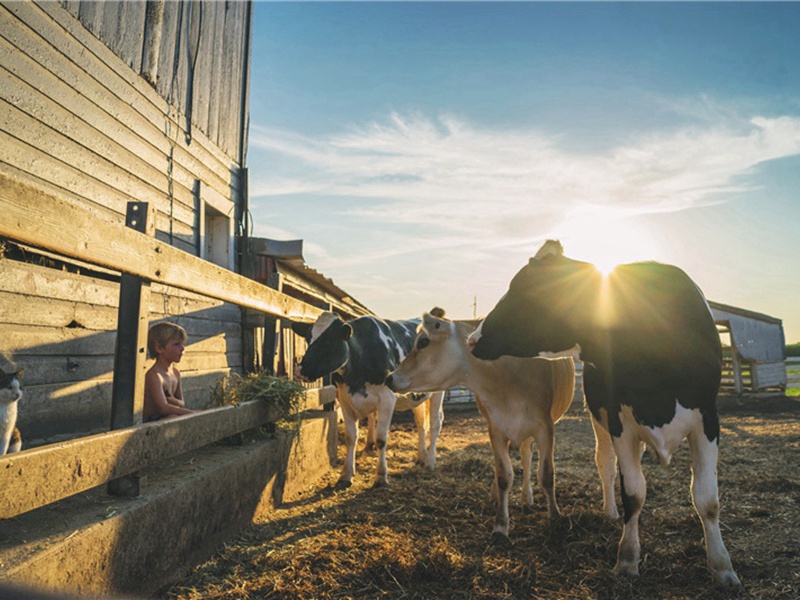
point(424, 151)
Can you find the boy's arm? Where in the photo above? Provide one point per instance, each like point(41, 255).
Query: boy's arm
point(177, 397)
point(154, 388)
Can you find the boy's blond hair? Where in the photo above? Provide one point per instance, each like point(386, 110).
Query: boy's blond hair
point(162, 334)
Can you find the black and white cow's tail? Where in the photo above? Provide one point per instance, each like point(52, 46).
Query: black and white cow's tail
point(563, 370)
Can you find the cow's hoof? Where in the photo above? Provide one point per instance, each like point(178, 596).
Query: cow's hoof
point(342, 484)
point(727, 580)
point(380, 483)
point(500, 540)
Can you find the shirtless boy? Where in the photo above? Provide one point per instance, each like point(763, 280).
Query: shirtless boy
point(163, 396)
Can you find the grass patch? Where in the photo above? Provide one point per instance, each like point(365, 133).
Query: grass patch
point(275, 391)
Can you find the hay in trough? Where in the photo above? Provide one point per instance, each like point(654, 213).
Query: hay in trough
point(427, 534)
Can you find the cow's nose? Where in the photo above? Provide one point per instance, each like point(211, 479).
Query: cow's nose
point(389, 382)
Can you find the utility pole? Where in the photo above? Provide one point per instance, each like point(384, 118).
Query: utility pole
point(474, 307)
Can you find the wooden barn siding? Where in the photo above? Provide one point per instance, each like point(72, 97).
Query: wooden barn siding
point(61, 328)
point(78, 120)
point(217, 28)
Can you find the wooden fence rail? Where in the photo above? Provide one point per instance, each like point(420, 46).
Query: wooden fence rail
point(40, 476)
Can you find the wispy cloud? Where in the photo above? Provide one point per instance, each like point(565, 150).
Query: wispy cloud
point(480, 182)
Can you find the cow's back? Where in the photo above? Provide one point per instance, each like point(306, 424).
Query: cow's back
point(659, 345)
point(376, 348)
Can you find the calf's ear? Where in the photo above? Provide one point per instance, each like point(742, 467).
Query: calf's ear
point(347, 331)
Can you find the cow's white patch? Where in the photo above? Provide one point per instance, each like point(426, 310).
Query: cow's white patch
point(473, 338)
point(322, 323)
point(389, 342)
point(664, 440)
point(574, 352)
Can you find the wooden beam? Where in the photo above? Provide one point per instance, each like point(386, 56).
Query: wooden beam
point(130, 350)
point(40, 476)
point(40, 219)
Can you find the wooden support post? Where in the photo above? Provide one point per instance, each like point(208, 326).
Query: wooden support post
point(130, 353)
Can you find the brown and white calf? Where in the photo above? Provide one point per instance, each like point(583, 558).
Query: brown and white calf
point(521, 399)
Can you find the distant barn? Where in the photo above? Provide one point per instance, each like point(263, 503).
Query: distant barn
point(755, 348)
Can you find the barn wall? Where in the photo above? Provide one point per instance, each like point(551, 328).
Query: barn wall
point(186, 50)
point(76, 121)
point(94, 101)
point(61, 328)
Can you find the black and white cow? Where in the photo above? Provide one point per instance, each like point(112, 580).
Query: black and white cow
point(360, 353)
point(652, 361)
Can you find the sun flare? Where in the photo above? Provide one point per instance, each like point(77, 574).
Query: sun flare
point(607, 242)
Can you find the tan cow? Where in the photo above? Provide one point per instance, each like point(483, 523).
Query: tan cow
point(521, 399)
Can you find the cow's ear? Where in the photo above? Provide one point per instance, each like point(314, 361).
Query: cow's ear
point(437, 312)
point(20, 373)
point(347, 331)
point(549, 250)
point(302, 329)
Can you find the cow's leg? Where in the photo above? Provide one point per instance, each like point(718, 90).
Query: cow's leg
point(369, 443)
point(606, 461)
point(421, 422)
point(503, 478)
point(386, 402)
point(546, 474)
point(633, 489)
point(526, 453)
point(706, 503)
point(436, 417)
point(350, 438)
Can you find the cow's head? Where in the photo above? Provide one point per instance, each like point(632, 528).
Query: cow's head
point(545, 301)
point(438, 356)
point(327, 347)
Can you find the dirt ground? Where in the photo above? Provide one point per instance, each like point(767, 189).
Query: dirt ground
point(427, 534)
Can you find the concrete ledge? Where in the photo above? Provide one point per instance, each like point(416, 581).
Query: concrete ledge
point(99, 545)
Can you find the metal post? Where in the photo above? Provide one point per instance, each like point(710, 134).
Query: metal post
point(130, 353)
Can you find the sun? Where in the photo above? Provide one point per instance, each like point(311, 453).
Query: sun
point(608, 241)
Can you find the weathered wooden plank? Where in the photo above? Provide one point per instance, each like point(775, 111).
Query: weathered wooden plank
point(225, 105)
point(45, 94)
point(37, 281)
point(216, 69)
point(130, 33)
point(169, 38)
point(130, 352)
point(101, 165)
point(32, 310)
point(153, 29)
point(91, 15)
point(40, 476)
point(202, 24)
point(154, 109)
point(20, 341)
point(115, 90)
point(29, 219)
